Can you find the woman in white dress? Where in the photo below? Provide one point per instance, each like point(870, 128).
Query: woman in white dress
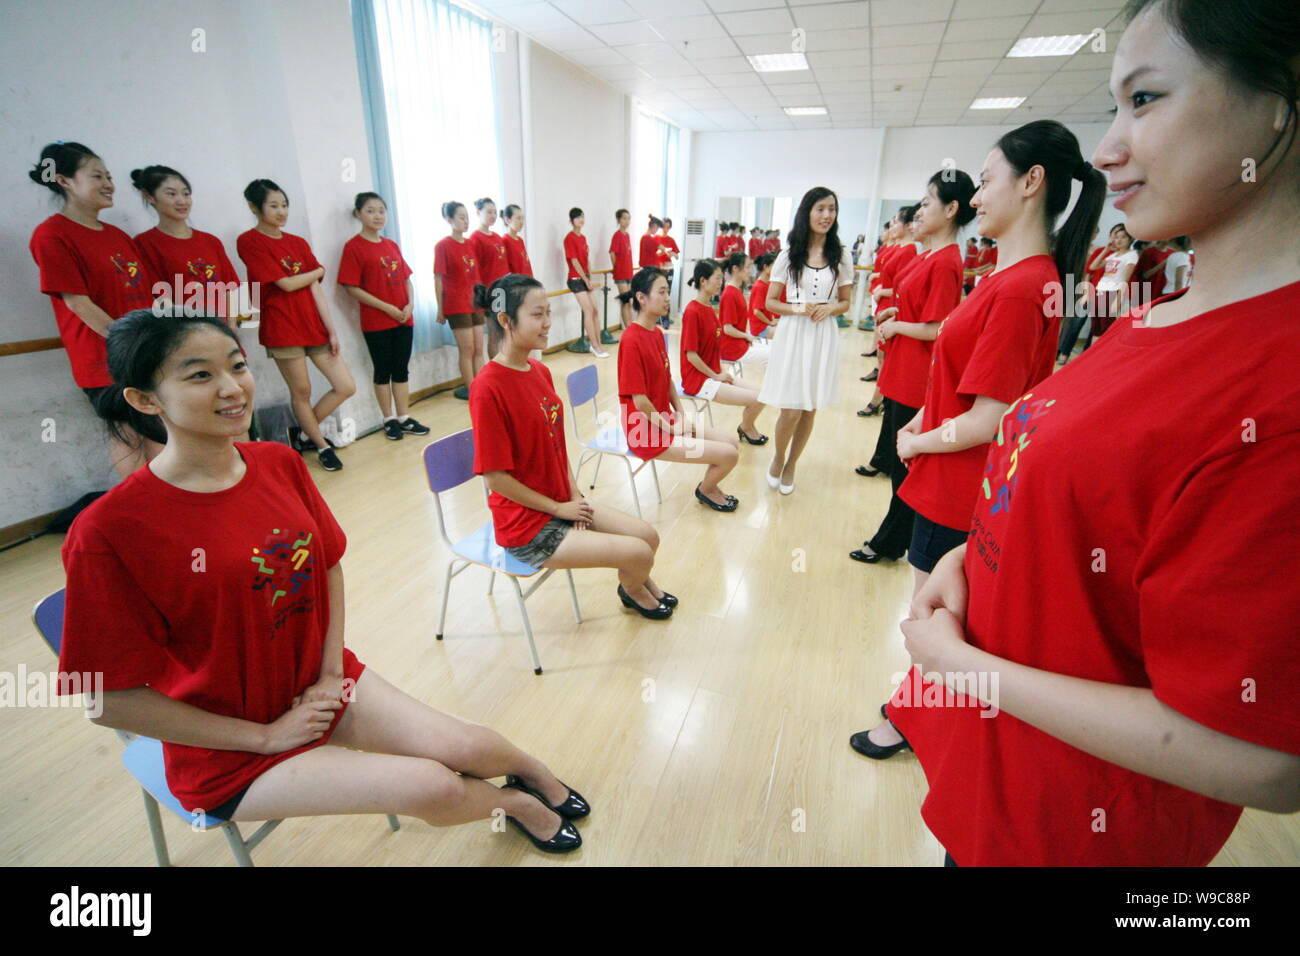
point(816, 273)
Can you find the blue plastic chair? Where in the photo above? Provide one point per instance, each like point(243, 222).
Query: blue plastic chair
point(583, 386)
point(143, 757)
point(448, 464)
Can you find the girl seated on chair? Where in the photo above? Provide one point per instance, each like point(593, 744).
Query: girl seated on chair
point(219, 630)
point(653, 420)
point(703, 344)
point(539, 515)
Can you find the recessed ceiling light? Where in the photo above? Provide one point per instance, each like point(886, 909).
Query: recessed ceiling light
point(805, 111)
point(1049, 46)
point(998, 103)
point(778, 62)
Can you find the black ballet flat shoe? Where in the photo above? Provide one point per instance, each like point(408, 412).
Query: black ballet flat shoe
point(872, 377)
point(871, 354)
point(866, 557)
point(573, 807)
point(668, 600)
point(760, 440)
point(870, 410)
point(865, 746)
point(731, 505)
point(566, 839)
point(660, 613)
point(866, 472)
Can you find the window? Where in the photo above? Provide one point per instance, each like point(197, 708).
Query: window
point(654, 169)
point(427, 79)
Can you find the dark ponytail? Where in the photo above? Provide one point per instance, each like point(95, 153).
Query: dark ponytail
point(734, 261)
point(138, 345)
point(704, 269)
point(59, 159)
point(505, 295)
point(1049, 144)
point(954, 185)
point(257, 191)
point(765, 261)
point(449, 209)
point(148, 180)
point(643, 282)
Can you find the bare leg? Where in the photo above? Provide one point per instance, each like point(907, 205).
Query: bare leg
point(786, 421)
point(629, 555)
point(714, 448)
point(589, 321)
point(802, 430)
point(619, 522)
point(746, 398)
point(294, 373)
point(480, 350)
point(342, 387)
point(384, 396)
point(466, 357)
point(401, 398)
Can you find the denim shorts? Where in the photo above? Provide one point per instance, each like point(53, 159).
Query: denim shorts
point(930, 542)
point(538, 551)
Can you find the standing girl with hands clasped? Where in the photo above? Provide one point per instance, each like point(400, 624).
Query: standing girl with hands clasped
point(93, 273)
point(243, 672)
point(1140, 617)
point(538, 513)
point(296, 323)
point(455, 270)
point(492, 255)
point(580, 282)
point(374, 273)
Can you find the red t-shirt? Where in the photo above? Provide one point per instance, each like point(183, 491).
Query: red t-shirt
point(490, 251)
point(1153, 287)
point(772, 245)
point(620, 248)
point(378, 268)
point(999, 343)
point(643, 369)
point(224, 604)
point(194, 263)
point(517, 255)
point(899, 260)
point(456, 263)
point(720, 246)
point(575, 247)
point(926, 293)
point(667, 249)
point(103, 264)
point(733, 311)
point(755, 248)
point(702, 333)
point(1175, 567)
point(878, 264)
point(519, 429)
point(649, 250)
point(972, 257)
point(758, 303)
point(288, 318)
point(986, 255)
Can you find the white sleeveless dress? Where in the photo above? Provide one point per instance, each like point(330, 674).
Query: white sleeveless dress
point(803, 370)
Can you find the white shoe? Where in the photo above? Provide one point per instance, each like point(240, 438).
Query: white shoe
point(774, 483)
point(599, 354)
point(787, 489)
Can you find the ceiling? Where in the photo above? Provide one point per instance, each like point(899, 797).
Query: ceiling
point(871, 62)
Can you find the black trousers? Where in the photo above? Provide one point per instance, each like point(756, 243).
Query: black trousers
point(1071, 326)
point(390, 353)
point(895, 532)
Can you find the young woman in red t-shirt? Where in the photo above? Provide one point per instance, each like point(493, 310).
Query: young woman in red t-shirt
point(668, 252)
point(580, 282)
point(491, 254)
point(651, 411)
point(374, 273)
point(996, 345)
point(193, 263)
point(760, 323)
point(516, 251)
point(455, 270)
point(620, 260)
point(648, 257)
point(755, 248)
point(1072, 324)
point(704, 337)
point(1140, 617)
point(93, 273)
point(242, 670)
point(538, 513)
point(926, 292)
point(296, 323)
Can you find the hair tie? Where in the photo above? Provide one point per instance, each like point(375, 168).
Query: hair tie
point(1081, 171)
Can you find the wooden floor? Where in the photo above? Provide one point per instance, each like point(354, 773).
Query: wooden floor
point(719, 738)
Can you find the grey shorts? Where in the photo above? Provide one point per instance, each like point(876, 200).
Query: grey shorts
point(538, 551)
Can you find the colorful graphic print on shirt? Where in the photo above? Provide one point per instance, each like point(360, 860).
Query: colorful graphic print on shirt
point(284, 565)
point(128, 269)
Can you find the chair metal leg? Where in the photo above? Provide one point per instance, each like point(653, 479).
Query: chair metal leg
point(582, 461)
point(573, 593)
point(528, 627)
point(236, 841)
point(155, 828)
point(708, 407)
point(631, 480)
point(393, 824)
point(492, 580)
point(446, 594)
point(596, 477)
point(655, 471)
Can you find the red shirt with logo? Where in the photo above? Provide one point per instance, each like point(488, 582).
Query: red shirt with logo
point(643, 369)
point(378, 268)
point(649, 250)
point(1175, 567)
point(103, 264)
point(199, 265)
point(701, 333)
point(926, 293)
point(758, 303)
point(517, 255)
point(519, 429)
point(458, 266)
point(733, 311)
point(490, 252)
point(575, 247)
point(222, 604)
point(288, 318)
point(620, 248)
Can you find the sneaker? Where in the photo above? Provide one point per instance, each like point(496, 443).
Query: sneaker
point(328, 460)
point(297, 440)
point(393, 429)
point(414, 427)
point(462, 393)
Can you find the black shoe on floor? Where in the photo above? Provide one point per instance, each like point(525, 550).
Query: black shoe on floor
point(462, 393)
point(574, 806)
point(731, 505)
point(414, 427)
point(566, 838)
point(760, 440)
point(667, 600)
point(868, 748)
point(393, 430)
point(298, 441)
point(660, 613)
point(866, 472)
point(866, 557)
point(328, 460)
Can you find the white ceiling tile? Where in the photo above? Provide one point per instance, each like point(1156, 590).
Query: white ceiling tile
point(540, 16)
point(794, 89)
point(900, 71)
point(910, 34)
point(1039, 66)
point(708, 48)
point(1003, 29)
point(618, 71)
point(844, 74)
point(730, 6)
point(948, 83)
point(1071, 6)
point(696, 82)
point(766, 43)
point(963, 67)
point(852, 87)
point(1065, 24)
point(888, 13)
point(738, 80)
point(726, 64)
point(596, 11)
point(922, 53)
point(834, 58)
point(975, 50)
point(688, 28)
point(819, 40)
point(669, 8)
point(644, 54)
point(623, 34)
point(753, 22)
point(833, 16)
point(602, 56)
point(672, 66)
point(1085, 59)
point(569, 39)
point(755, 97)
point(979, 9)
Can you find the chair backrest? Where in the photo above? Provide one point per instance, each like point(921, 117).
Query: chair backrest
point(449, 462)
point(48, 618)
point(582, 385)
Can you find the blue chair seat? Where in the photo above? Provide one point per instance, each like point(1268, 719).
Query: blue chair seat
point(143, 757)
point(612, 441)
point(481, 547)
